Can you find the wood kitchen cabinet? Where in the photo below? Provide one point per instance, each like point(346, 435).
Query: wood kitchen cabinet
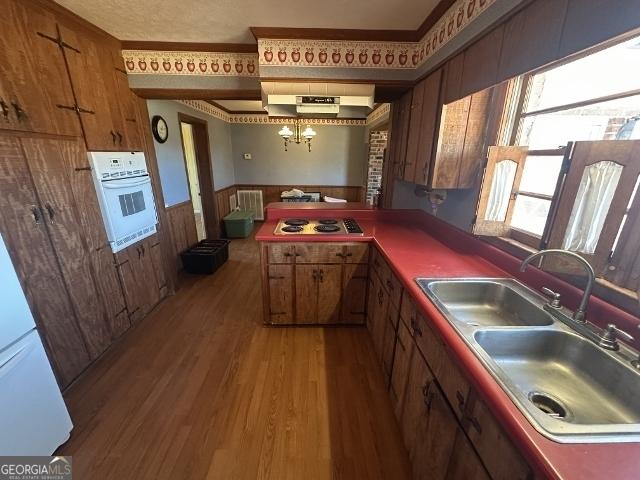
point(462, 141)
point(33, 78)
point(93, 90)
point(401, 113)
point(23, 227)
point(280, 278)
point(354, 285)
point(422, 129)
point(429, 428)
point(139, 273)
point(318, 294)
point(314, 282)
point(403, 354)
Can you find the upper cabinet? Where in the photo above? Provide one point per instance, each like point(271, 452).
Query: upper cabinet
point(108, 120)
point(33, 80)
point(60, 78)
point(422, 129)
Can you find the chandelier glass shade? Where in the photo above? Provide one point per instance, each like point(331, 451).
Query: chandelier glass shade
point(297, 135)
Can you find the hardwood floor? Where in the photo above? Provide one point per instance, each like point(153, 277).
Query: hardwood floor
point(201, 389)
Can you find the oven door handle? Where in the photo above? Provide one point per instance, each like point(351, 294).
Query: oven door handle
point(114, 186)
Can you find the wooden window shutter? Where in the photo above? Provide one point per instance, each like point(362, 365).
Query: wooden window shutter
point(499, 188)
point(608, 171)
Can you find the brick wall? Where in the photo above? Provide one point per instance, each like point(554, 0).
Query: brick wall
point(377, 144)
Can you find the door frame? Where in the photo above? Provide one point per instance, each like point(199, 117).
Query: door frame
point(205, 173)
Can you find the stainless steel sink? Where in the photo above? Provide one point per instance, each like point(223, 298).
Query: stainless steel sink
point(488, 303)
point(570, 389)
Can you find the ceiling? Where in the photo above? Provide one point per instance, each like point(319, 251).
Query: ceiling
point(228, 21)
point(238, 106)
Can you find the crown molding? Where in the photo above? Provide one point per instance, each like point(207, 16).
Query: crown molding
point(189, 46)
point(254, 118)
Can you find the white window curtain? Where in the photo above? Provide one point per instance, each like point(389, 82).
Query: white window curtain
point(500, 193)
point(595, 194)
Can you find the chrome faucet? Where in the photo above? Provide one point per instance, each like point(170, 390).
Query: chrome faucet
point(581, 313)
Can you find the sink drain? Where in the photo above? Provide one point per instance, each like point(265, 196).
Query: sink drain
point(548, 404)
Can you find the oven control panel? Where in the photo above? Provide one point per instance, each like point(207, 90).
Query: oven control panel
point(112, 165)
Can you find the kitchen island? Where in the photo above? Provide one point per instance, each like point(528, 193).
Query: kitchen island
point(456, 419)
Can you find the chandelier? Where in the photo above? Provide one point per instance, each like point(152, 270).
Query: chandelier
point(297, 133)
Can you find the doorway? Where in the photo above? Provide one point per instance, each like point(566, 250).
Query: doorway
point(197, 159)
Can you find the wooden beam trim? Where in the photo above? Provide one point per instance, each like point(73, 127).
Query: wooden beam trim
point(189, 46)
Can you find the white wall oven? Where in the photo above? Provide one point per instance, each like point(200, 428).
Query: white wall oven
point(125, 195)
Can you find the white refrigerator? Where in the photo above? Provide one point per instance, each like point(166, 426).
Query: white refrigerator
point(33, 417)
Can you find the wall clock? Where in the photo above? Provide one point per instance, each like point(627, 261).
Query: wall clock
point(159, 128)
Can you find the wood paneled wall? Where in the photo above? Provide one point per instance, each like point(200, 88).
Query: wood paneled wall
point(182, 225)
point(222, 201)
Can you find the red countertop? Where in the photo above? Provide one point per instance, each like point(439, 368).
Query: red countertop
point(418, 245)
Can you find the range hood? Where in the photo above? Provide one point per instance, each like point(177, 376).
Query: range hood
point(317, 100)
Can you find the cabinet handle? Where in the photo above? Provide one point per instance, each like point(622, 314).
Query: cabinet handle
point(473, 421)
point(380, 297)
point(139, 252)
point(286, 254)
point(51, 212)
point(19, 112)
point(35, 211)
point(277, 277)
point(416, 329)
point(5, 109)
point(427, 394)
point(348, 254)
point(314, 275)
point(119, 137)
point(113, 136)
point(338, 254)
point(144, 250)
point(460, 399)
point(296, 254)
point(389, 285)
point(321, 275)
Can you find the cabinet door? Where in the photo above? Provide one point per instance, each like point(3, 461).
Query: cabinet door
point(401, 367)
point(47, 163)
point(500, 457)
point(155, 250)
point(428, 127)
point(329, 293)
point(93, 90)
point(32, 71)
point(23, 229)
point(280, 279)
point(429, 427)
point(147, 271)
point(389, 341)
point(124, 110)
point(128, 261)
point(415, 134)
point(465, 463)
point(306, 294)
point(378, 319)
point(453, 124)
point(354, 281)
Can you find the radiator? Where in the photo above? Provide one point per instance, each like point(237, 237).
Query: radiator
point(251, 201)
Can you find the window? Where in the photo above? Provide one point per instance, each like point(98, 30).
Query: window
point(568, 173)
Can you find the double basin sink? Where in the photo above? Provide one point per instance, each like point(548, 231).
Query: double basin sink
point(569, 388)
